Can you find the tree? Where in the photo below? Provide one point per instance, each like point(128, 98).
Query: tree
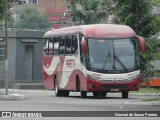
point(30, 18)
point(138, 15)
point(88, 12)
point(2, 8)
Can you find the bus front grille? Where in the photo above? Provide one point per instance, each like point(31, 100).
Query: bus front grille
point(115, 86)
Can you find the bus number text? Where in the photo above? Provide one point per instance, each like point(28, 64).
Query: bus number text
point(70, 63)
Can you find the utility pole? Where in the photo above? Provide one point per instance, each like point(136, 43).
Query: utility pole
point(6, 45)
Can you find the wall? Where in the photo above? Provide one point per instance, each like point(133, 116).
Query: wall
point(17, 40)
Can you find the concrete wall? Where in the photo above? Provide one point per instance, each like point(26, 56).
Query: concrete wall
point(17, 40)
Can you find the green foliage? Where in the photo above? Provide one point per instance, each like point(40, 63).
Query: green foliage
point(155, 2)
point(137, 15)
point(151, 54)
point(2, 7)
point(90, 11)
point(30, 18)
point(147, 90)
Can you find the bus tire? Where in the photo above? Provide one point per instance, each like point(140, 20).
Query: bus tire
point(65, 93)
point(96, 94)
point(125, 94)
point(58, 92)
point(99, 94)
point(103, 94)
point(77, 84)
point(83, 94)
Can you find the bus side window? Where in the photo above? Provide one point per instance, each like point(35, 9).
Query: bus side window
point(56, 46)
point(74, 45)
point(50, 47)
point(68, 45)
point(80, 39)
point(82, 55)
point(62, 45)
point(45, 48)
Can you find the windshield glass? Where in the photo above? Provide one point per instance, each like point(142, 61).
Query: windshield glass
point(112, 56)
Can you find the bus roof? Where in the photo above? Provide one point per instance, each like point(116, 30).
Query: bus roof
point(95, 31)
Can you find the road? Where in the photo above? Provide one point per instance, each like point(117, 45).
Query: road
point(44, 100)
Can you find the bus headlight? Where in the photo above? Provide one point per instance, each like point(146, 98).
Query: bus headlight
point(133, 77)
point(93, 77)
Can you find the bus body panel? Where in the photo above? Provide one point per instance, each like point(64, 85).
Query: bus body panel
point(64, 68)
point(96, 31)
point(110, 82)
point(66, 71)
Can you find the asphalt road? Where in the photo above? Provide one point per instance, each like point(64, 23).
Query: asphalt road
point(38, 100)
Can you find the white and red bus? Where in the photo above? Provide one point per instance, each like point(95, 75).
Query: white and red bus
point(97, 58)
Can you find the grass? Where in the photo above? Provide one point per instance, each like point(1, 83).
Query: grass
point(1, 93)
point(148, 90)
point(152, 99)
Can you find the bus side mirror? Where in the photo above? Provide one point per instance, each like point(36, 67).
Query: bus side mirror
point(142, 44)
point(83, 45)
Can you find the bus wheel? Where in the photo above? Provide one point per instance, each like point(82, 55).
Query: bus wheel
point(124, 94)
point(96, 94)
point(77, 84)
point(65, 93)
point(103, 94)
point(99, 94)
point(83, 94)
point(58, 92)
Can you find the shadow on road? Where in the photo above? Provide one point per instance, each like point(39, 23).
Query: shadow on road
point(92, 97)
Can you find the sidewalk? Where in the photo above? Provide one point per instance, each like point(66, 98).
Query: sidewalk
point(13, 97)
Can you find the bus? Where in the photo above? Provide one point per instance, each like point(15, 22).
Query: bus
point(96, 58)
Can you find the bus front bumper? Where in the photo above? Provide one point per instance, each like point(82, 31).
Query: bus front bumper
point(93, 86)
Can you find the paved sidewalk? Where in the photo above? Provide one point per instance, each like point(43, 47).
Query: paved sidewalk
point(13, 97)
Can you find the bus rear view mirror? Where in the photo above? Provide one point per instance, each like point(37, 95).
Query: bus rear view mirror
point(142, 44)
point(83, 45)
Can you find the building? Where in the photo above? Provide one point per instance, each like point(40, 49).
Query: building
point(24, 58)
point(57, 11)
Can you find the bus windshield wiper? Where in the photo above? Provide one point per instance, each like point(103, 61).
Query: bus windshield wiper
point(95, 69)
point(106, 60)
point(120, 62)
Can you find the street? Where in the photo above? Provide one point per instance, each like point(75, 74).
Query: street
point(44, 100)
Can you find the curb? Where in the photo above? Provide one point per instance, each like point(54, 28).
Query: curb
point(143, 103)
point(13, 97)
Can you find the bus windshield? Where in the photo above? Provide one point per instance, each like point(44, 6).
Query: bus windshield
point(112, 56)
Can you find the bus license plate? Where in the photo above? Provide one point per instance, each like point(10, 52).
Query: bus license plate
point(114, 90)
